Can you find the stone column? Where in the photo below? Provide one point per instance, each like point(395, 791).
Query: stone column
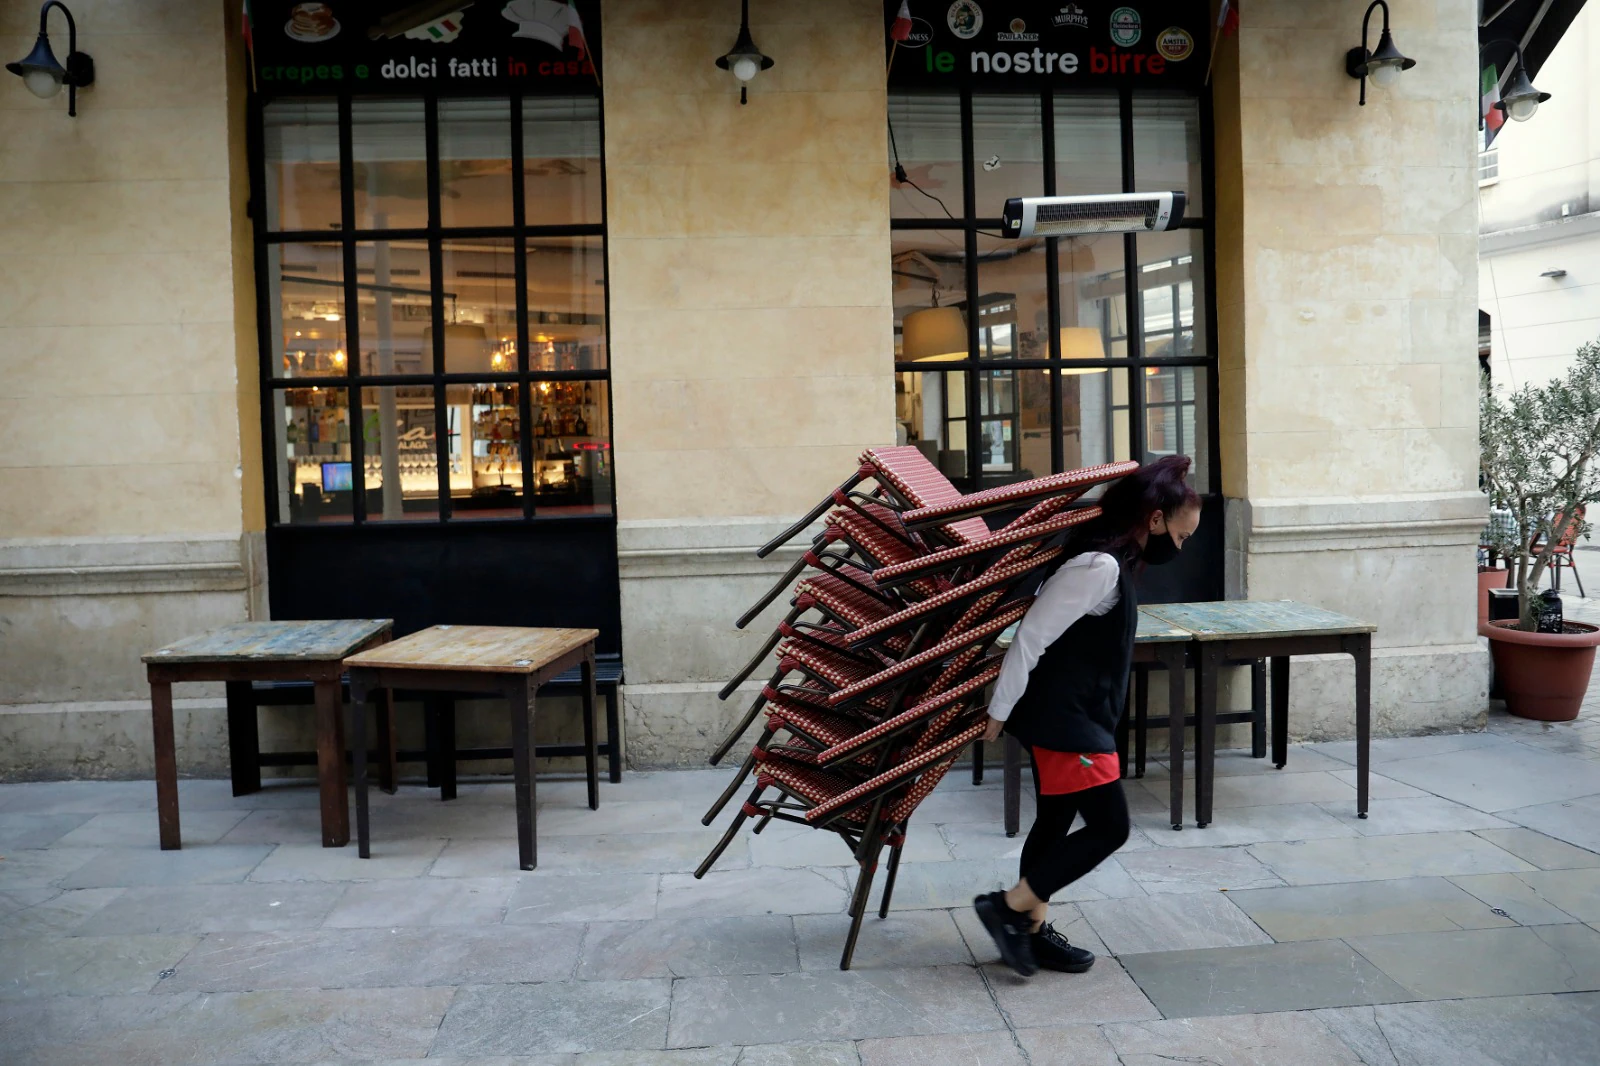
point(1347, 299)
point(751, 323)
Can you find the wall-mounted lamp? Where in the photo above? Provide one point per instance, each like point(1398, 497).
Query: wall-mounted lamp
point(744, 59)
point(1382, 66)
point(1521, 99)
point(43, 74)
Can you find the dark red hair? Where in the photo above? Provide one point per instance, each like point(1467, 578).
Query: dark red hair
point(1126, 507)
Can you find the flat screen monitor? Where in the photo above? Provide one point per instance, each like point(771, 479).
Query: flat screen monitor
point(336, 477)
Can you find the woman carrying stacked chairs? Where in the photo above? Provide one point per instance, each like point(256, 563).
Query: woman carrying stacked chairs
point(872, 702)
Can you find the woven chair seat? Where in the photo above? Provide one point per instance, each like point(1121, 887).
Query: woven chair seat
point(826, 729)
point(943, 512)
point(864, 738)
point(858, 686)
point(920, 484)
point(911, 767)
point(950, 558)
point(991, 578)
point(843, 600)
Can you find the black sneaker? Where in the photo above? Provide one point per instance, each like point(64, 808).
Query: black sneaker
point(1051, 951)
point(1010, 931)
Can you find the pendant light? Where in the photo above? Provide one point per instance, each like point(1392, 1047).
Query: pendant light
point(1082, 342)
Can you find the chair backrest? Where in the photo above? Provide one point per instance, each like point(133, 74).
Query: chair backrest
point(920, 484)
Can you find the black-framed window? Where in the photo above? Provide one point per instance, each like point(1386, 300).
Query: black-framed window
point(1065, 364)
point(433, 277)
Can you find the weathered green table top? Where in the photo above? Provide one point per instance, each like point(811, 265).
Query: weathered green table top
point(274, 642)
point(1243, 619)
point(1156, 630)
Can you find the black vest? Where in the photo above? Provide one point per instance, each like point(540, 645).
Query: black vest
point(1077, 689)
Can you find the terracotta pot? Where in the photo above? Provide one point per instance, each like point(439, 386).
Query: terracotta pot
point(1489, 577)
point(1543, 676)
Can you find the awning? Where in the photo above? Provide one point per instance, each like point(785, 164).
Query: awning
point(1536, 25)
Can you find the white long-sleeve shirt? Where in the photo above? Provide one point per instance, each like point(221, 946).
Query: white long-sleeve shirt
point(1085, 585)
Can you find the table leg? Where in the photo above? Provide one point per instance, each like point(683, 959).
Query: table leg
point(430, 738)
point(359, 700)
point(388, 757)
point(1258, 708)
point(330, 765)
point(244, 738)
point(442, 745)
point(1175, 712)
point(166, 765)
point(1280, 710)
point(521, 699)
point(1141, 713)
point(591, 756)
point(1360, 647)
point(1013, 784)
point(614, 732)
point(1124, 721)
point(977, 762)
point(1205, 741)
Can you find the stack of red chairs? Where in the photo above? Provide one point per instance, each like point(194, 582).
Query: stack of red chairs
point(885, 656)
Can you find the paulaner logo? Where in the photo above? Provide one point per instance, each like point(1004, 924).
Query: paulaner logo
point(1018, 33)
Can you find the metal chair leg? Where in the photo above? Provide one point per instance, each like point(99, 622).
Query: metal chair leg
point(858, 906)
point(888, 885)
point(757, 659)
point(727, 838)
point(733, 786)
point(771, 594)
point(744, 723)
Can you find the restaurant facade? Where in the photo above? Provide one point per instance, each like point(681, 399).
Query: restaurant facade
point(517, 314)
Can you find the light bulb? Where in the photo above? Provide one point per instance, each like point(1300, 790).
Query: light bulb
point(1521, 108)
point(745, 68)
point(42, 83)
point(1383, 74)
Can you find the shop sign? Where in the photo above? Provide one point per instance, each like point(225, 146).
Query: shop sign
point(1035, 44)
point(349, 46)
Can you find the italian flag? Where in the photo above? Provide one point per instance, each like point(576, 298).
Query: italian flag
point(575, 36)
point(1488, 96)
point(901, 29)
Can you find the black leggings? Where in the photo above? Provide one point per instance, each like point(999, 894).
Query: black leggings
point(1052, 857)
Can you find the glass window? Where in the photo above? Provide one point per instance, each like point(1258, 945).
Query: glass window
point(312, 426)
point(561, 160)
point(1014, 299)
point(567, 303)
point(926, 131)
point(474, 163)
point(1088, 129)
point(1007, 151)
point(307, 306)
point(485, 449)
point(930, 288)
point(1172, 293)
point(931, 408)
point(1176, 417)
point(480, 306)
point(571, 447)
point(1093, 298)
point(400, 443)
point(1166, 147)
point(395, 327)
point(388, 145)
point(302, 164)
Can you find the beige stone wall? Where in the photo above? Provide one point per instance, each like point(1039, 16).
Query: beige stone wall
point(751, 328)
point(1347, 299)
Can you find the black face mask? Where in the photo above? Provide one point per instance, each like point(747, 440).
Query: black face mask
point(1159, 548)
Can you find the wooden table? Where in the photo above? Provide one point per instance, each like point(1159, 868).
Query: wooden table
point(1156, 642)
point(499, 660)
point(1234, 630)
point(261, 651)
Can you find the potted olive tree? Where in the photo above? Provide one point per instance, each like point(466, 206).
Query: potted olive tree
point(1540, 454)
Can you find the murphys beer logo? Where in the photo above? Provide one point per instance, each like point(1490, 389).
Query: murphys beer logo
point(1175, 44)
point(1018, 32)
point(1125, 27)
point(965, 19)
point(1070, 16)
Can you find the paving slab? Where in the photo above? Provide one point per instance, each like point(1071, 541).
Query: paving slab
point(831, 1053)
point(1574, 821)
point(555, 897)
point(1514, 896)
point(243, 908)
point(141, 829)
point(52, 911)
point(1261, 979)
point(1236, 1040)
point(1105, 994)
point(905, 939)
point(825, 1005)
point(1382, 857)
point(1544, 1030)
point(1362, 908)
point(636, 852)
point(759, 890)
point(1576, 892)
point(985, 805)
point(78, 797)
point(286, 825)
point(1385, 750)
point(423, 901)
point(41, 867)
point(556, 1016)
point(1197, 870)
point(1424, 814)
point(1171, 922)
point(968, 1049)
point(376, 958)
point(797, 845)
point(1237, 762)
point(642, 816)
point(202, 864)
point(1500, 777)
point(1547, 853)
point(39, 968)
point(688, 947)
point(1068, 1045)
point(36, 830)
point(1318, 786)
point(216, 794)
point(404, 857)
point(1488, 962)
point(1380, 787)
point(1066, 917)
point(249, 1027)
point(1247, 825)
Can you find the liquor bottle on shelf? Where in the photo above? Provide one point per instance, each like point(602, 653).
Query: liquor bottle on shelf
point(547, 428)
point(588, 393)
point(581, 426)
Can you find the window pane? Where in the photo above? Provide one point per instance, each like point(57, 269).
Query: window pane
point(930, 290)
point(931, 409)
point(485, 450)
point(567, 303)
point(1014, 434)
point(572, 447)
point(926, 130)
point(396, 307)
point(1088, 144)
point(1094, 319)
point(561, 160)
point(307, 305)
point(1166, 146)
point(398, 434)
point(1013, 303)
point(1007, 151)
point(475, 163)
point(389, 149)
point(1177, 418)
point(302, 171)
point(313, 454)
point(1172, 293)
point(480, 306)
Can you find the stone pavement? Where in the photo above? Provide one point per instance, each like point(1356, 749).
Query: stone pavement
point(1460, 924)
